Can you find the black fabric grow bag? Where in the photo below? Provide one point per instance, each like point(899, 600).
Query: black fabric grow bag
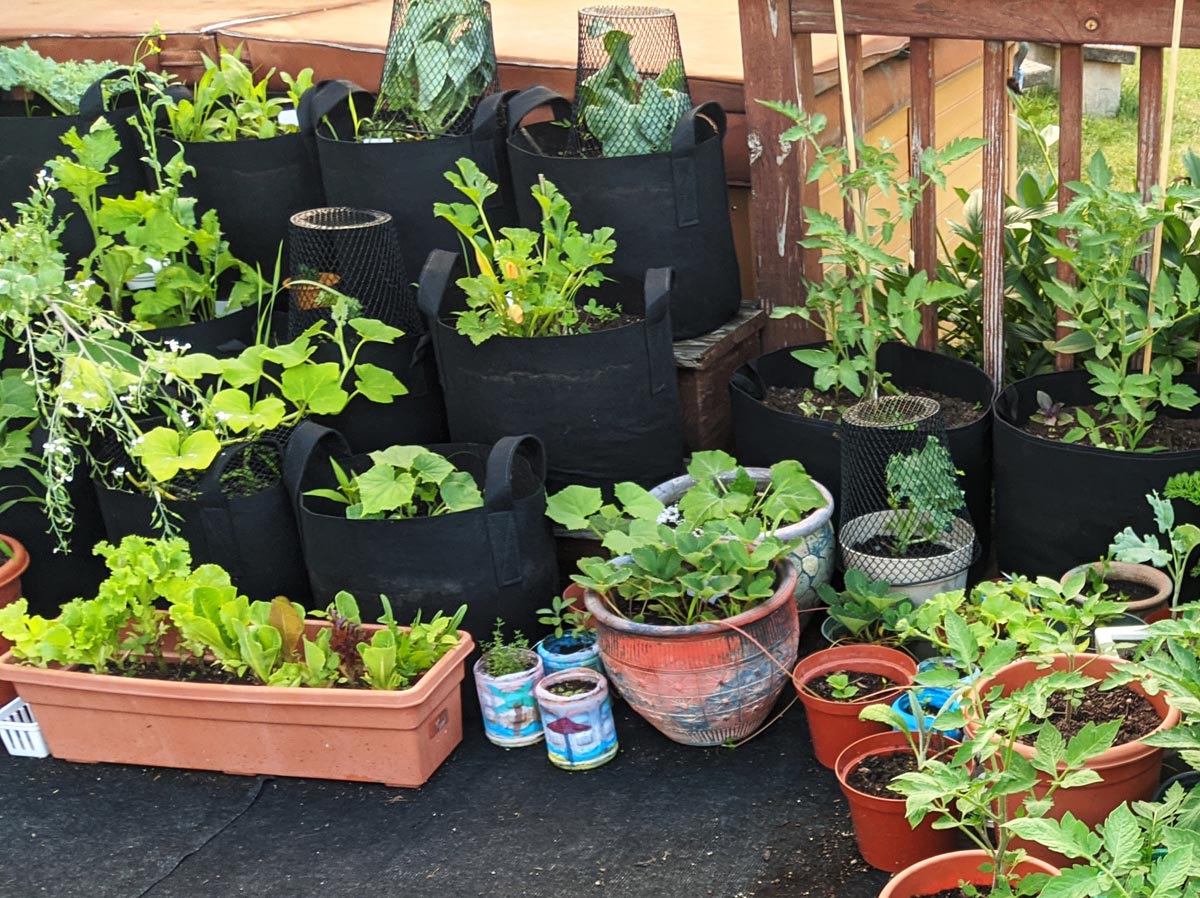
point(223, 336)
point(1060, 504)
point(605, 404)
point(498, 559)
point(255, 186)
point(253, 537)
point(764, 435)
point(418, 417)
point(668, 210)
point(405, 178)
point(54, 577)
point(27, 142)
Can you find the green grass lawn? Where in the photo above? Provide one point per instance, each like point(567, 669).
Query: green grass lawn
point(1117, 137)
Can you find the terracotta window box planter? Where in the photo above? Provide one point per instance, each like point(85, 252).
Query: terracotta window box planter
point(394, 737)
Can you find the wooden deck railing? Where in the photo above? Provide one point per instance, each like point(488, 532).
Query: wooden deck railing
point(777, 58)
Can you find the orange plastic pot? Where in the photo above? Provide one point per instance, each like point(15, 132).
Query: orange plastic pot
point(835, 725)
point(10, 590)
point(703, 684)
point(946, 871)
point(397, 737)
point(1128, 772)
point(885, 839)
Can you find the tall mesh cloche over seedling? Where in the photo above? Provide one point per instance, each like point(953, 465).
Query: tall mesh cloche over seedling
point(440, 62)
point(630, 86)
point(900, 493)
point(353, 251)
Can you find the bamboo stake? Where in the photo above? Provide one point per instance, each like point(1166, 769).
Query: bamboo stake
point(851, 139)
point(1164, 163)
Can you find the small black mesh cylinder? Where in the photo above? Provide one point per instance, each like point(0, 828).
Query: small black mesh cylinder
point(630, 84)
point(354, 251)
point(900, 494)
point(440, 62)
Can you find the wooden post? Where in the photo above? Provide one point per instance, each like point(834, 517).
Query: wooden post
point(1070, 164)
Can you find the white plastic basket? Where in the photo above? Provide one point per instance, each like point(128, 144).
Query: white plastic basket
point(19, 731)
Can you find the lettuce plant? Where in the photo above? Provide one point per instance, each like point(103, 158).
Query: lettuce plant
point(403, 482)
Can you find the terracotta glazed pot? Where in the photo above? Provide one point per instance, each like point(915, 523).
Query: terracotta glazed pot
point(10, 590)
point(1135, 573)
point(946, 871)
point(834, 725)
point(1128, 772)
point(703, 684)
point(397, 737)
point(885, 839)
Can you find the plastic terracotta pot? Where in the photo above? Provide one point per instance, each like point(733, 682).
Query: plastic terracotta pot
point(946, 871)
point(397, 737)
point(1128, 772)
point(580, 733)
point(10, 590)
point(510, 711)
point(812, 557)
point(707, 683)
point(835, 725)
point(1135, 573)
point(886, 840)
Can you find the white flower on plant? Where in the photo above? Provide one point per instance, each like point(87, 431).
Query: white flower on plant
point(224, 416)
point(669, 516)
point(186, 417)
point(119, 470)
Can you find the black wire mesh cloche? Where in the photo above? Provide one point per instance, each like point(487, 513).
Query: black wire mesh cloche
point(630, 85)
point(903, 514)
point(440, 62)
point(356, 252)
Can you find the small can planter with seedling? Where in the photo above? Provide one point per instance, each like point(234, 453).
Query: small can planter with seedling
point(577, 718)
point(504, 680)
point(573, 642)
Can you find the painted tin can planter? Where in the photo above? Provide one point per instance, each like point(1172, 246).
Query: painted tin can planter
point(580, 732)
point(565, 652)
point(706, 683)
point(813, 558)
point(510, 711)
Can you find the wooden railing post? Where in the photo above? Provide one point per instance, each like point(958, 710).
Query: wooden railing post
point(921, 134)
point(995, 123)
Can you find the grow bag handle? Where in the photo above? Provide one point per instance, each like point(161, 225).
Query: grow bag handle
point(215, 517)
point(503, 532)
point(660, 365)
point(533, 98)
point(323, 98)
point(749, 380)
point(431, 289)
point(307, 439)
point(698, 124)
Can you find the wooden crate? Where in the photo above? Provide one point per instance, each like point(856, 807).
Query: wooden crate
point(704, 366)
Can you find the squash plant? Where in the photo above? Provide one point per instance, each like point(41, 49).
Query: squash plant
point(402, 482)
point(527, 283)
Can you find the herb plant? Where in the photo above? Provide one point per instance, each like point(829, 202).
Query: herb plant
point(403, 482)
point(228, 104)
point(1178, 542)
point(840, 686)
point(61, 85)
point(18, 417)
point(527, 283)
point(439, 64)
point(924, 492)
point(1108, 311)
point(631, 115)
point(564, 619)
point(856, 319)
point(1051, 413)
point(503, 656)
